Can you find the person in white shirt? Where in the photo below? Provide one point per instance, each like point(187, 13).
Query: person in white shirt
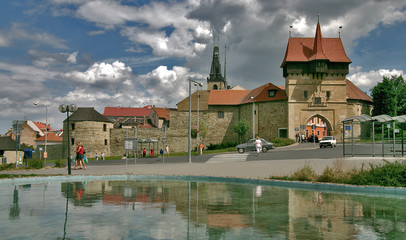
point(258, 145)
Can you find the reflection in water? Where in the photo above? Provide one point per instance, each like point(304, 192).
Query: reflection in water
point(145, 209)
point(14, 209)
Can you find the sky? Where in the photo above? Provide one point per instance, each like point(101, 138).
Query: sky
point(133, 53)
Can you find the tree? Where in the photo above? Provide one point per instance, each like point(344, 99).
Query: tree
point(241, 128)
point(385, 98)
point(202, 131)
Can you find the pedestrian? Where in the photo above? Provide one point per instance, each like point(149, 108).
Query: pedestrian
point(84, 158)
point(144, 153)
point(201, 146)
point(102, 156)
point(97, 157)
point(258, 145)
point(151, 152)
point(79, 155)
point(297, 137)
point(167, 150)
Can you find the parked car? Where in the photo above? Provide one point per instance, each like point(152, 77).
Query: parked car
point(328, 141)
point(250, 146)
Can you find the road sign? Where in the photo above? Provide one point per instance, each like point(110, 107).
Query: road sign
point(130, 144)
point(45, 154)
point(348, 128)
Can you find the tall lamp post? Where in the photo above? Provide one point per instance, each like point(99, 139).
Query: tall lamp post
point(190, 113)
point(198, 126)
point(67, 109)
point(36, 103)
point(253, 117)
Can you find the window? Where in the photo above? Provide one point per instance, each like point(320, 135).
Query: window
point(104, 127)
point(105, 141)
point(305, 94)
point(328, 95)
point(215, 87)
point(220, 114)
point(72, 140)
point(271, 93)
point(317, 100)
point(73, 126)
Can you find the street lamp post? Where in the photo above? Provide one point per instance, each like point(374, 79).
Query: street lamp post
point(198, 126)
point(46, 130)
point(67, 109)
point(190, 113)
point(253, 117)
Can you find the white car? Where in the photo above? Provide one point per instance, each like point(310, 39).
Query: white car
point(328, 141)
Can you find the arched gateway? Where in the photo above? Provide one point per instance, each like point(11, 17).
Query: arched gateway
point(315, 72)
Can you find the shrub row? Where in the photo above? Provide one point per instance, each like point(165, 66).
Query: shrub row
point(221, 145)
point(388, 174)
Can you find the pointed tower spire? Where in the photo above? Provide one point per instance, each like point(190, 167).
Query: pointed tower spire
point(318, 42)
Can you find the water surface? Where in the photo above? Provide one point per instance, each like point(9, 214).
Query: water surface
point(166, 209)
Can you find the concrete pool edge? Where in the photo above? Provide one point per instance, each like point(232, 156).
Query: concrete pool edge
point(390, 192)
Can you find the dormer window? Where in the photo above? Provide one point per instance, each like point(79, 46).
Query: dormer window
point(271, 93)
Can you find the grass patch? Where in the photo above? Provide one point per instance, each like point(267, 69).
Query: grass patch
point(388, 174)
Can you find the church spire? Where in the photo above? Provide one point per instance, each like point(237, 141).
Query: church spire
point(216, 81)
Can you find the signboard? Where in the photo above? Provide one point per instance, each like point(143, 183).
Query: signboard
point(388, 125)
point(40, 149)
point(348, 128)
point(45, 154)
point(130, 144)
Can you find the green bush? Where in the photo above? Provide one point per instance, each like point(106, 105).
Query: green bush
point(7, 166)
point(60, 163)
point(388, 174)
point(305, 174)
point(36, 163)
point(221, 145)
point(279, 142)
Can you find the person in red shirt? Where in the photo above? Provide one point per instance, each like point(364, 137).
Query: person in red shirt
point(79, 156)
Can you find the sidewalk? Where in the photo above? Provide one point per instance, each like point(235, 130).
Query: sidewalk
point(248, 169)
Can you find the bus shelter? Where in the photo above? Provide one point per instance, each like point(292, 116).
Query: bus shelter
point(380, 135)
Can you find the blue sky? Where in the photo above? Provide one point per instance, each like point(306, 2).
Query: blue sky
point(98, 53)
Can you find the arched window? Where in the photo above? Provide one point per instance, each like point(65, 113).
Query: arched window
point(215, 87)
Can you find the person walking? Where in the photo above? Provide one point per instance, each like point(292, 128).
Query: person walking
point(144, 153)
point(102, 156)
point(201, 146)
point(167, 150)
point(258, 145)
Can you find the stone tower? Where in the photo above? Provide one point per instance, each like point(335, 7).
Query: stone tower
point(315, 72)
point(216, 81)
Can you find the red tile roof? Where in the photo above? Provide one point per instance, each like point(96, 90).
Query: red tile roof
point(308, 49)
point(354, 93)
point(51, 137)
point(126, 112)
point(42, 126)
point(162, 112)
point(237, 97)
point(261, 94)
point(226, 97)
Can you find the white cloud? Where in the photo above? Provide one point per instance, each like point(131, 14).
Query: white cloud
point(104, 73)
point(367, 80)
point(72, 57)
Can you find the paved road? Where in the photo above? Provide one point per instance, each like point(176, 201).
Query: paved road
point(278, 162)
